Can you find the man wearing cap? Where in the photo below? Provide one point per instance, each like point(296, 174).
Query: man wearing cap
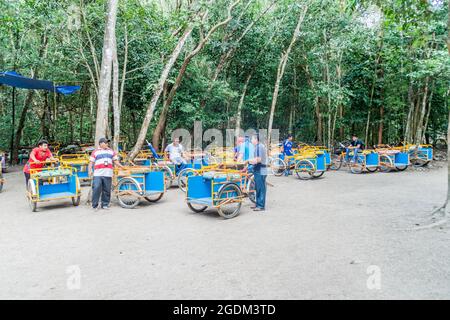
point(101, 165)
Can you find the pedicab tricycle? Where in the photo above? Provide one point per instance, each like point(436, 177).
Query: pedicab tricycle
point(221, 189)
point(53, 183)
point(78, 161)
point(420, 155)
point(310, 165)
point(132, 183)
point(366, 160)
point(392, 159)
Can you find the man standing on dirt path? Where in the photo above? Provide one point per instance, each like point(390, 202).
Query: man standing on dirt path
point(287, 151)
point(259, 173)
point(102, 160)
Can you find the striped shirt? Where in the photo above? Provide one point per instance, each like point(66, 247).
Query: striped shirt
point(103, 162)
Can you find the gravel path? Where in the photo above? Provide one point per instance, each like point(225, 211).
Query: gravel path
point(322, 239)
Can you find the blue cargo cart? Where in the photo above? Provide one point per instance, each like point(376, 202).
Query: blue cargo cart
point(310, 165)
point(420, 155)
point(393, 160)
point(224, 190)
point(366, 160)
point(53, 183)
point(78, 161)
point(132, 183)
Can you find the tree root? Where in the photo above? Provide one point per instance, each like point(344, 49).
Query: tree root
point(442, 209)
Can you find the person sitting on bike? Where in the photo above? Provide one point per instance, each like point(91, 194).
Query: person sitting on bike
point(287, 151)
point(176, 152)
point(38, 155)
point(356, 145)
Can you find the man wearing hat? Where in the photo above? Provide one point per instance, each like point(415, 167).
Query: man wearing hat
point(101, 165)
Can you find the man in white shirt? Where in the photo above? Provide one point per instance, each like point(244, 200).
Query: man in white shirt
point(176, 151)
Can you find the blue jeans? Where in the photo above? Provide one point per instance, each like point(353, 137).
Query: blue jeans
point(260, 186)
point(101, 186)
point(355, 154)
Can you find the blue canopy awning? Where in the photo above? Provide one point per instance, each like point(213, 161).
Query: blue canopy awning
point(13, 79)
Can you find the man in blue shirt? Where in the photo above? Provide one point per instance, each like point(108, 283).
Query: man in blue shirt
point(287, 151)
point(287, 146)
point(246, 150)
point(259, 161)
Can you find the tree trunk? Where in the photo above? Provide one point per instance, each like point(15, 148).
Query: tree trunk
point(427, 117)
point(227, 55)
point(367, 129)
point(319, 137)
point(380, 126)
point(115, 96)
point(158, 133)
point(280, 72)
point(182, 71)
point(448, 126)
point(27, 103)
point(159, 88)
point(407, 136)
point(241, 103)
point(21, 124)
point(104, 82)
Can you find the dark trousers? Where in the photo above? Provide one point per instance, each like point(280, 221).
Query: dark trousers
point(260, 186)
point(27, 177)
point(101, 186)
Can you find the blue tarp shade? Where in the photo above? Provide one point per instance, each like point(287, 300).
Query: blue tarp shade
point(13, 79)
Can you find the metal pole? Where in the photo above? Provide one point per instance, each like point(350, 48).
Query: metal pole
point(13, 124)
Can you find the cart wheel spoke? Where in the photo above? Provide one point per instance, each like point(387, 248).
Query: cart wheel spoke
point(229, 200)
point(304, 169)
point(128, 192)
point(278, 166)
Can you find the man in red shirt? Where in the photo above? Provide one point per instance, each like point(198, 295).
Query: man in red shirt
point(37, 156)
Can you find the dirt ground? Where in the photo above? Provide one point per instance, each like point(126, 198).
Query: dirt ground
point(343, 236)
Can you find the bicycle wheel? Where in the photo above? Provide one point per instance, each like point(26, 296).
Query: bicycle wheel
point(197, 208)
point(357, 166)
point(336, 162)
point(183, 177)
point(318, 174)
point(231, 196)
point(168, 176)
point(128, 193)
point(304, 169)
point(32, 195)
point(154, 197)
point(278, 166)
point(386, 163)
